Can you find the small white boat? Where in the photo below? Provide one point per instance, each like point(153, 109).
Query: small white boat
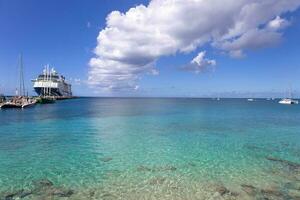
point(250, 99)
point(288, 101)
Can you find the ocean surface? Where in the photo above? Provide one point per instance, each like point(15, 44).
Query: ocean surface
point(151, 148)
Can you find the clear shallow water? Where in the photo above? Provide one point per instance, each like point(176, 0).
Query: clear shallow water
point(110, 148)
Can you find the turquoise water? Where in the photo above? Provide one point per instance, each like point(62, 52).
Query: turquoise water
point(114, 148)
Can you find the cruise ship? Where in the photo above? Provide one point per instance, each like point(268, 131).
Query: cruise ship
point(50, 83)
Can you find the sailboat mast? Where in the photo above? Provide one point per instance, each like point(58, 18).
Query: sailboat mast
point(44, 74)
point(22, 84)
point(22, 75)
point(50, 81)
point(46, 80)
point(290, 91)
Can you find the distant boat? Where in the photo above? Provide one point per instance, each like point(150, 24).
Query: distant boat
point(288, 101)
point(250, 99)
point(216, 99)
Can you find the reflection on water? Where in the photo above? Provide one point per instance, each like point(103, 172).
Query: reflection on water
point(110, 148)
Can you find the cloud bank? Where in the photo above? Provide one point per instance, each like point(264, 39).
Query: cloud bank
point(131, 43)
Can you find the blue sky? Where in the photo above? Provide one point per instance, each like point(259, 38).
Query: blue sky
point(64, 34)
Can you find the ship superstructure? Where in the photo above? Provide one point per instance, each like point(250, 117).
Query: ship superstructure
point(50, 83)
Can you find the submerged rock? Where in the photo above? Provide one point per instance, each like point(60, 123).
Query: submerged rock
point(290, 164)
point(142, 168)
point(294, 194)
point(112, 173)
point(222, 190)
point(293, 185)
point(156, 169)
point(25, 194)
point(168, 168)
point(17, 195)
point(92, 193)
point(289, 175)
point(271, 193)
point(61, 192)
point(106, 159)
point(108, 196)
point(42, 186)
point(249, 189)
point(253, 147)
point(192, 164)
point(43, 183)
point(157, 180)
point(175, 187)
point(45, 188)
point(216, 196)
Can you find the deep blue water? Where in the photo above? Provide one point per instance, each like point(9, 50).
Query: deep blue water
point(143, 148)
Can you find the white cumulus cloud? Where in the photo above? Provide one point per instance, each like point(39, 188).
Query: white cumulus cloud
point(200, 63)
point(131, 43)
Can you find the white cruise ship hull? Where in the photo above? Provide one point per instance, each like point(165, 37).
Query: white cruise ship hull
point(50, 83)
point(52, 89)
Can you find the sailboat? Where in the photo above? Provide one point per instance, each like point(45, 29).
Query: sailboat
point(2, 98)
point(288, 101)
point(251, 98)
point(20, 100)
